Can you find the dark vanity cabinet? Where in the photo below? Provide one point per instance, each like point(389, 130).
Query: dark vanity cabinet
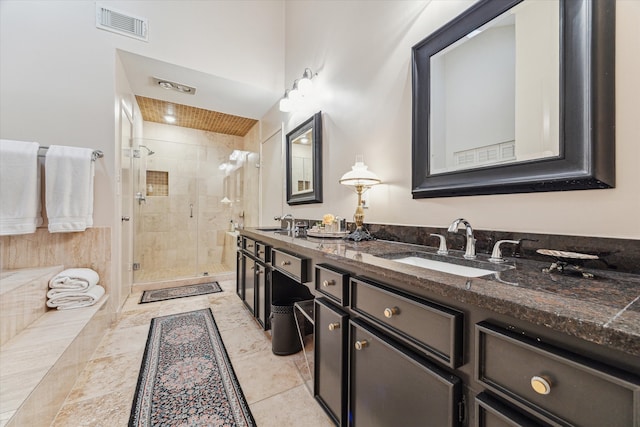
point(387, 352)
point(389, 385)
point(253, 278)
point(330, 366)
point(549, 385)
point(289, 274)
point(370, 346)
point(249, 297)
point(331, 338)
point(392, 337)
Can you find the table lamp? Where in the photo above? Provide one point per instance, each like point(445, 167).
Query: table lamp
point(362, 179)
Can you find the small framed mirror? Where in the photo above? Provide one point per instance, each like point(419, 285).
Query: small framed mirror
point(304, 162)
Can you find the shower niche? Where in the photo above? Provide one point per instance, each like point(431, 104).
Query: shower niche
point(157, 183)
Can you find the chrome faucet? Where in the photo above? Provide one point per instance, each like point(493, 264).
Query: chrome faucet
point(292, 224)
point(470, 252)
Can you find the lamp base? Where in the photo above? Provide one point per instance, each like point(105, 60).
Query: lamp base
point(359, 235)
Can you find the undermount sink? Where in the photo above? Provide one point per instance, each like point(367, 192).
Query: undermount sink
point(447, 264)
point(271, 229)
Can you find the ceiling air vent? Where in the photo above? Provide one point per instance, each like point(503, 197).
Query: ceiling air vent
point(121, 23)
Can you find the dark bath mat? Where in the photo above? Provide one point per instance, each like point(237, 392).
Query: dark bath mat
point(186, 377)
point(179, 292)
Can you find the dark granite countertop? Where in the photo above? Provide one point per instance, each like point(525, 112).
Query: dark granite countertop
point(604, 310)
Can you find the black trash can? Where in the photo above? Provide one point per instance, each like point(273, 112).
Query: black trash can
point(284, 333)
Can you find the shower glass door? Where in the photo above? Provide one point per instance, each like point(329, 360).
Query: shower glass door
point(182, 217)
point(166, 211)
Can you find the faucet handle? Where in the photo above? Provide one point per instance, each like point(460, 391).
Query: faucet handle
point(496, 255)
point(442, 250)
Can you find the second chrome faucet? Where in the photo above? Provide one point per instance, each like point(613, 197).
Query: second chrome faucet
point(470, 251)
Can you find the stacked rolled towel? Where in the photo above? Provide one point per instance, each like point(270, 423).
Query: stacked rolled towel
point(74, 288)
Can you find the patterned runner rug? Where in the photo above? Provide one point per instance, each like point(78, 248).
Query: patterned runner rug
point(179, 292)
point(186, 378)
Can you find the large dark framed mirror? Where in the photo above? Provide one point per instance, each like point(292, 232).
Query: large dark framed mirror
point(516, 96)
point(304, 162)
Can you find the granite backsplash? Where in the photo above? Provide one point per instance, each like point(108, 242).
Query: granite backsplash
point(622, 255)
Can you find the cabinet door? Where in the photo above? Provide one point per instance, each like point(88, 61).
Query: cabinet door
point(262, 309)
point(249, 283)
point(330, 386)
point(240, 275)
point(390, 386)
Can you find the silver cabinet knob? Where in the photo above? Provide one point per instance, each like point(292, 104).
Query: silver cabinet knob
point(334, 326)
point(390, 312)
point(327, 283)
point(125, 218)
point(359, 345)
point(541, 385)
point(285, 263)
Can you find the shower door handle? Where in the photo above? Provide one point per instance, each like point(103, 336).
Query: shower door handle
point(191, 210)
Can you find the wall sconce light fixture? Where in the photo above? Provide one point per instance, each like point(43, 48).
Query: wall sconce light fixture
point(301, 87)
point(362, 179)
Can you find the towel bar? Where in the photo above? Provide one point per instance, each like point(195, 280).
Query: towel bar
point(97, 154)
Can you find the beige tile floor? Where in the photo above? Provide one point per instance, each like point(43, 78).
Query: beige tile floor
point(273, 385)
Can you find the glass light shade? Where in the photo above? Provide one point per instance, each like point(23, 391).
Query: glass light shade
point(305, 85)
point(285, 105)
point(360, 175)
point(294, 94)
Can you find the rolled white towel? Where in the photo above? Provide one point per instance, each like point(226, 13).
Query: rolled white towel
point(77, 279)
point(69, 300)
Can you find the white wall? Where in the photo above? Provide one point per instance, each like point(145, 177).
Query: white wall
point(58, 72)
point(60, 83)
point(362, 52)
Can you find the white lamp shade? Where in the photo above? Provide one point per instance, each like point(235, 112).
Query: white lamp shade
point(360, 175)
point(304, 86)
point(285, 105)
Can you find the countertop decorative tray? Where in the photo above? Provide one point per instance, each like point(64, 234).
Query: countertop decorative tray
point(327, 234)
point(565, 255)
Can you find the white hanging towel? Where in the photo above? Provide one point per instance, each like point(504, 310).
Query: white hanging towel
point(67, 300)
point(69, 173)
point(20, 207)
point(74, 279)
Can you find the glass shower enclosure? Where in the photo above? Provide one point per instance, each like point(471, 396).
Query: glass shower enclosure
point(187, 196)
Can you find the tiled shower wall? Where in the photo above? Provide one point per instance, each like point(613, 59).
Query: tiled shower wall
point(182, 234)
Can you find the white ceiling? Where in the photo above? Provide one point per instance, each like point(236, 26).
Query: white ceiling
point(212, 92)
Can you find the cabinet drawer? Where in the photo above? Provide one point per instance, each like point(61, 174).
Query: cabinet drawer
point(433, 329)
point(249, 245)
point(333, 283)
point(291, 265)
point(491, 412)
point(263, 252)
point(390, 386)
point(330, 360)
point(579, 391)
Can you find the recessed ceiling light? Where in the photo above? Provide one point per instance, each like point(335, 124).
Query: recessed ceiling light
point(169, 119)
point(178, 87)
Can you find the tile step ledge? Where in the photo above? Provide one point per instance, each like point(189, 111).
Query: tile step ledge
point(39, 366)
point(23, 297)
